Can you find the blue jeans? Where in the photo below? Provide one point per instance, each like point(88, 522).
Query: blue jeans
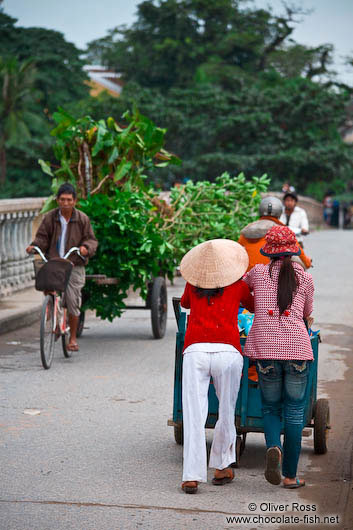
point(283, 386)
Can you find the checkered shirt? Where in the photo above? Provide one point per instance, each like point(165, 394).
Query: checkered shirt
point(273, 336)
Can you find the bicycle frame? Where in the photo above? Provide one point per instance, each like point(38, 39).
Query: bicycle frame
point(57, 314)
point(53, 319)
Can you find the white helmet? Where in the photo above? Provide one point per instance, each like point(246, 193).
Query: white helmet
point(271, 206)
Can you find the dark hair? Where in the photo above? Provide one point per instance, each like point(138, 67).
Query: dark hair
point(290, 194)
point(288, 283)
point(66, 188)
point(209, 293)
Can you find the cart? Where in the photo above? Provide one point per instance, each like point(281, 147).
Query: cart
point(248, 415)
point(156, 302)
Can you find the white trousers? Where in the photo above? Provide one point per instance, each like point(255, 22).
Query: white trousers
point(225, 369)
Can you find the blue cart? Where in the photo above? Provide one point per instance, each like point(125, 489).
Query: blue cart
point(248, 415)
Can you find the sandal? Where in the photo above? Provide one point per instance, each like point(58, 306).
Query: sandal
point(219, 480)
point(273, 465)
point(72, 347)
point(190, 486)
point(294, 485)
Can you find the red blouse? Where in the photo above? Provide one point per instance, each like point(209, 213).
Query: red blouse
point(216, 322)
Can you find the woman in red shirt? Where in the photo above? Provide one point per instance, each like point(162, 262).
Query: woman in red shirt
point(212, 348)
point(280, 343)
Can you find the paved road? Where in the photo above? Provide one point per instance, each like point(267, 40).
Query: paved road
point(100, 453)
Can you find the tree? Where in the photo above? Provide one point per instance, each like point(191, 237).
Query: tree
point(297, 60)
point(17, 93)
point(175, 42)
point(59, 80)
point(233, 90)
point(175, 39)
point(60, 76)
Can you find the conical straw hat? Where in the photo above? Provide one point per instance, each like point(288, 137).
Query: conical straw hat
point(214, 263)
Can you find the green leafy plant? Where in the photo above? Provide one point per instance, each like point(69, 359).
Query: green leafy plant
point(107, 163)
point(132, 248)
point(98, 156)
point(138, 241)
point(210, 210)
point(140, 236)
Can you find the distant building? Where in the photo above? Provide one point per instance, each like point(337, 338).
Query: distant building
point(100, 78)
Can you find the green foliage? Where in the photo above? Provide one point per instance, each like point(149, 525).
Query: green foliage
point(107, 161)
point(17, 121)
point(225, 79)
point(132, 248)
point(137, 243)
point(295, 60)
point(288, 129)
point(57, 79)
point(60, 76)
point(212, 210)
point(234, 90)
point(318, 190)
point(99, 155)
point(177, 42)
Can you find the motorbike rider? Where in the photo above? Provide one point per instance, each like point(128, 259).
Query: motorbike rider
point(294, 217)
point(252, 236)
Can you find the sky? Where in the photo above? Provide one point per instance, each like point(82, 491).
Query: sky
point(84, 20)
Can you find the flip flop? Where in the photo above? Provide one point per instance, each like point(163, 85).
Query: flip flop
point(273, 466)
point(190, 486)
point(72, 347)
point(298, 484)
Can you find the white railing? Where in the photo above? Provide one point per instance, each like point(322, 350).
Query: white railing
point(16, 227)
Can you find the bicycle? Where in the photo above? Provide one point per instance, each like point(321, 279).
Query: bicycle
point(53, 321)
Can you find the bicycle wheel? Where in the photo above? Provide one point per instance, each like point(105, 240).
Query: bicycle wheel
point(65, 330)
point(47, 334)
point(81, 324)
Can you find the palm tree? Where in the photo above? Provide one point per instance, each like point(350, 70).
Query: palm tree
point(16, 99)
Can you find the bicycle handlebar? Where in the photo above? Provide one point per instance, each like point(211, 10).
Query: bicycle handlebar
point(38, 251)
point(73, 249)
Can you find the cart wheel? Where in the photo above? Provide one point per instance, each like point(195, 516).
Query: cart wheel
point(243, 443)
point(159, 307)
point(321, 426)
point(239, 449)
point(178, 434)
point(81, 323)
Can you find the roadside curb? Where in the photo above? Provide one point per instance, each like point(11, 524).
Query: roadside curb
point(20, 319)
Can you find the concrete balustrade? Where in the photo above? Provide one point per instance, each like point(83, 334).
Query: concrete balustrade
point(17, 223)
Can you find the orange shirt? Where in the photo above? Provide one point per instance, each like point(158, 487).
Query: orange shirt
point(252, 247)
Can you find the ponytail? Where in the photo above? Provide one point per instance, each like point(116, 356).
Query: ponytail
point(287, 284)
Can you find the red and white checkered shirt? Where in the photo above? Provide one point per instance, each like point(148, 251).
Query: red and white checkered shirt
point(273, 336)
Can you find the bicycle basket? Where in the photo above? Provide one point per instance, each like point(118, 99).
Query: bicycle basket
point(53, 275)
point(37, 265)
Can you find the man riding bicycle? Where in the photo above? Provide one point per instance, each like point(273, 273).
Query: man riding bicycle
point(63, 228)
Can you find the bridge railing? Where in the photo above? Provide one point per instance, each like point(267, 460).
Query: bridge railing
point(17, 218)
point(19, 221)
